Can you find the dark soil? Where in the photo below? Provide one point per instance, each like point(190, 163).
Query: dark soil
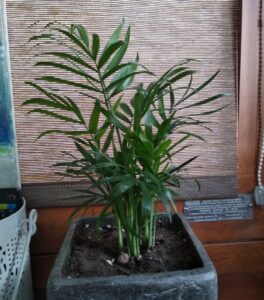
point(97, 255)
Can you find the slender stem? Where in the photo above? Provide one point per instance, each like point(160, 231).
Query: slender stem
point(129, 244)
point(151, 238)
point(136, 223)
point(119, 233)
point(133, 238)
point(146, 232)
point(131, 217)
point(154, 230)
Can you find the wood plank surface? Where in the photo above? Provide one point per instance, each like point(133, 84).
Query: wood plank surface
point(41, 267)
point(245, 257)
point(237, 286)
point(248, 96)
point(246, 182)
point(228, 231)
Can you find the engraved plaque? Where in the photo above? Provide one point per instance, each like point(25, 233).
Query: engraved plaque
point(239, 208)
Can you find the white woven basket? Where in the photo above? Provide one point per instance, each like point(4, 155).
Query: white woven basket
point(15, 273)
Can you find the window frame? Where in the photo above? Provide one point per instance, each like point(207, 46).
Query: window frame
point(248, 132)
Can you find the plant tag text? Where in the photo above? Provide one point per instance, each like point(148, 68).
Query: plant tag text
point(239, 208)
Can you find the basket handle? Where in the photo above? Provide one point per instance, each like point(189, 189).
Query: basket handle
point(29, 227)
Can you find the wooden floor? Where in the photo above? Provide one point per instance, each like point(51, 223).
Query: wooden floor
point(235, 247)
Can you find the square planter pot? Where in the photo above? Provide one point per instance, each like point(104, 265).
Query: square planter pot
point(194, 284)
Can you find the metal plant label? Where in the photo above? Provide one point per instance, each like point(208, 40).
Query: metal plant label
point(9, 170)
point(239, 208)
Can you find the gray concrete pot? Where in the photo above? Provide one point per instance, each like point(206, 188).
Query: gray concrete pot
point(195, 284)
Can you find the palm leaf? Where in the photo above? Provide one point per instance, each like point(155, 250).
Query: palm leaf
point(67, 68)
point(95, 46)
point(108, 53)
point(201, 87)
point(115, 36)
point(75, 40)
point(178, 168)
point(55, 115)
point(64, 132)
point(126, 109)
point(94, 118)
point(120, 54)
point(203, 102)
point(69, 57)
point(58, 80)
point(83, 34)
point(108, 139)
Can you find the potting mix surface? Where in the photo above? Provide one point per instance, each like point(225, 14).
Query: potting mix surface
point(94, 254)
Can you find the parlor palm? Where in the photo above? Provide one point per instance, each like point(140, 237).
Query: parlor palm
point(124, 147)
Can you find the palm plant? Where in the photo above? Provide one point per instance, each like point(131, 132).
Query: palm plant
point(125, 148)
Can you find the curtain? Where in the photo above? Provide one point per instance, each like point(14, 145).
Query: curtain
point(163, 32)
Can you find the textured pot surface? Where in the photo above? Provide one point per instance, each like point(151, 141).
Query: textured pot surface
point(195, 284)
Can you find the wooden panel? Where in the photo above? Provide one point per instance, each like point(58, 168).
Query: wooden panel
point(247, 125)
point(233, 286)
point(246, 183)
point(52, 225)
point(40, 294)
point(226, 231)
point(246, 257)
point(41, 266)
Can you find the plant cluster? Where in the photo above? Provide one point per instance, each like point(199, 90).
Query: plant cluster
point(124, 147)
